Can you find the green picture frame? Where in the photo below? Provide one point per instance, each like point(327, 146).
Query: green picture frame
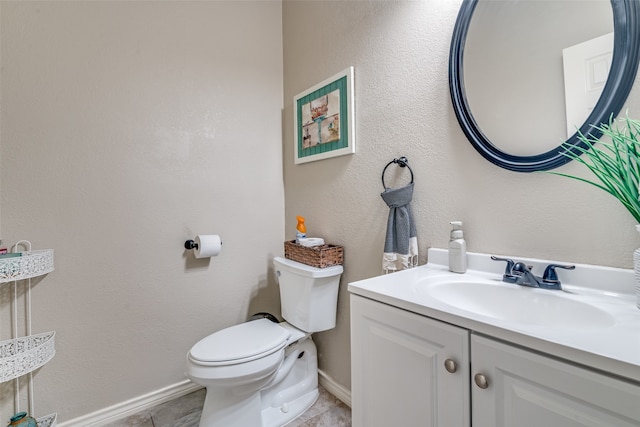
point(324, 119)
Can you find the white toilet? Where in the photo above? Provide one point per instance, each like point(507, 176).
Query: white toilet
point(265, 374)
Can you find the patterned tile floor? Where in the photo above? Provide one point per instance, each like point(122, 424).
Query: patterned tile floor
point(185, 412)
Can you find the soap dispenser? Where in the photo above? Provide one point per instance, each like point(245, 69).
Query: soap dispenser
point(457, 249)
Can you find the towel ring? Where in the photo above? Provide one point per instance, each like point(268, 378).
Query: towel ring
point(402, 162)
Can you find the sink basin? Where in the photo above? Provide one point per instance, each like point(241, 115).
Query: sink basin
point(593, 322)
point(517, 303)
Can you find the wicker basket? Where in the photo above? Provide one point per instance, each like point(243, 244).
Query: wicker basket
point(316, 256)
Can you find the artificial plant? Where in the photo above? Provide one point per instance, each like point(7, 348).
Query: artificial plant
point(612, 159)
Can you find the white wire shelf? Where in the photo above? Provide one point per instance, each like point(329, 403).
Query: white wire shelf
point(29, 264)
point(19, 356)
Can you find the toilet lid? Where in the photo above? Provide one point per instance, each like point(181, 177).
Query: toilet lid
point(243, 342)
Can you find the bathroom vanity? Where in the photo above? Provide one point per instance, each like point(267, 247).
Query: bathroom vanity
point(435, 348)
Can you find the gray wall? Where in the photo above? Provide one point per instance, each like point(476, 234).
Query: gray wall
point(400, 52)
point(127, 128)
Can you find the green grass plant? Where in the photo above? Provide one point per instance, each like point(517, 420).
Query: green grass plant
point(613, 160)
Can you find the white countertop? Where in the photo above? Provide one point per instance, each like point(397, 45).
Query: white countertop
point(613, 348)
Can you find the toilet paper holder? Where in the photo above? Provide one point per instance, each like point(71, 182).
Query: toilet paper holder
point(204, 245)
point(190, 244)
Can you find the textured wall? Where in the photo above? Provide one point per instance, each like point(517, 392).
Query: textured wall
point(128, 127)
point(400, 52)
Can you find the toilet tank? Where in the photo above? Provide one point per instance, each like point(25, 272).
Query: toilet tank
point(308, 295)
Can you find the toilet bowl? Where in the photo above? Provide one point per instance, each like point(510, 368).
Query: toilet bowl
point(261, 373)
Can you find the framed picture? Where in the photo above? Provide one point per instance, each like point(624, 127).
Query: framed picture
point(324, 119)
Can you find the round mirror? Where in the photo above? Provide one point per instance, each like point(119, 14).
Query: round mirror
point(526, 75)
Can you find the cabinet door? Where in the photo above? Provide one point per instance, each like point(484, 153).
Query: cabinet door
point(525, 389)
point(398, 369)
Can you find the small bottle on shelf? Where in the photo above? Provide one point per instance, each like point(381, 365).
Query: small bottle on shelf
point(457, 249)
point(301, 229)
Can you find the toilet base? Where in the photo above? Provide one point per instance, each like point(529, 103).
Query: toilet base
point(290, 398)
point(278, 403)
point(275, 417)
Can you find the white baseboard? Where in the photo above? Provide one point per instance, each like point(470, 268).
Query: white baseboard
point(334, 388)
point(149, 400)
point(132, 406)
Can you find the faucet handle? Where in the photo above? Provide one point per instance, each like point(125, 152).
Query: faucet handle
point(509, 262)
point(550, 275)
point(508, 275)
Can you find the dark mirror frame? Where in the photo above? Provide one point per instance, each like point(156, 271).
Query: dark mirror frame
point(624, 66)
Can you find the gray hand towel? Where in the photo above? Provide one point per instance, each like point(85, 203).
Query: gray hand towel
point(401, 241)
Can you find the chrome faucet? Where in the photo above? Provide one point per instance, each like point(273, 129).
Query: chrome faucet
point(521, 274)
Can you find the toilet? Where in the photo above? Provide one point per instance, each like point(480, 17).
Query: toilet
point(262, 373)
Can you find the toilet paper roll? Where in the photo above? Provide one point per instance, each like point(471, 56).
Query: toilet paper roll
point(208, 245)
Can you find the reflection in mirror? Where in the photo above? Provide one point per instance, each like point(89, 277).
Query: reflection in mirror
point(514, 77)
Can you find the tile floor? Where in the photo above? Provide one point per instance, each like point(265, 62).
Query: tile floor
point(185, 412)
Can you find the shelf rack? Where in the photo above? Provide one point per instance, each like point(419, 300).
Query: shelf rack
point(30, 264)
point(21, 355)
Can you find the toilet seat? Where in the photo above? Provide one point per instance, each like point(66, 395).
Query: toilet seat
point(240, 343)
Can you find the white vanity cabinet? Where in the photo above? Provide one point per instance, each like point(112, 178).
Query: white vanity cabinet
point(398, 368)
point(527, 389)
point(400, 378)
